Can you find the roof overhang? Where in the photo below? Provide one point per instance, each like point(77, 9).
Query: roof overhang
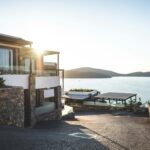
point(13, 40)
point(50, 52)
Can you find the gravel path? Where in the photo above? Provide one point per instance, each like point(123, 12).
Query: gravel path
point(90, 131)
point(126, 132)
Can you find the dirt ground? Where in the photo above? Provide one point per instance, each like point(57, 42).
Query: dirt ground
point(89, 131)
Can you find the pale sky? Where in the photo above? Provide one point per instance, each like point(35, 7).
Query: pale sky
point(105, 34)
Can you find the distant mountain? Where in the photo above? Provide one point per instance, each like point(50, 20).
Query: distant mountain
point(139, 74)
point(87, 72)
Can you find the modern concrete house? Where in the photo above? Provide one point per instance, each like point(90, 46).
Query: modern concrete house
point(33, 89)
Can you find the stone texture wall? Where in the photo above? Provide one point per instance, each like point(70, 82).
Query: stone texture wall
point(57, 93)
point(12, 106)
point(32, 93)
point(79, 107)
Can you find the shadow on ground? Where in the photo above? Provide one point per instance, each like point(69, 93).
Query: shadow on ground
point(49, 135)
point(100, 130)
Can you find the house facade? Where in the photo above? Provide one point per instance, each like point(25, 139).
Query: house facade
point(33, 91)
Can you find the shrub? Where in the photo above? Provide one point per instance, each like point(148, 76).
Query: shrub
point(2, 82)
point(82, 90)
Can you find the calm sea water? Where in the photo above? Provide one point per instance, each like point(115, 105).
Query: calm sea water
point(139, 85)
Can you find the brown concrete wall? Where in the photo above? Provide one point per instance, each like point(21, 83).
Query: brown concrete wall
point(57, 93)
point(32, 95)
point(12, 106)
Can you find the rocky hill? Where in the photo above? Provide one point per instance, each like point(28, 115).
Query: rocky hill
point(87, 72)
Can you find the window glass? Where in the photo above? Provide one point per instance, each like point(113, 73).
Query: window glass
point(27, 65)
point(6, 59)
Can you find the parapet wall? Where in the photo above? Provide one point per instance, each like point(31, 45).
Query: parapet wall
point(12, 106)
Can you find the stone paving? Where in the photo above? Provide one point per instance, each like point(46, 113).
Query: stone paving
point(90, 131)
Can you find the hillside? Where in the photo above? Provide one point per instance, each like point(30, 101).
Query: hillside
point(87, 72)
point(139, 74)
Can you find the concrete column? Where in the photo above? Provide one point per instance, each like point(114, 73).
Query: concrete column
point(57, 93)
point(32, 95)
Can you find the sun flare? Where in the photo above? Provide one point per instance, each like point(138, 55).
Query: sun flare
point(39, 51)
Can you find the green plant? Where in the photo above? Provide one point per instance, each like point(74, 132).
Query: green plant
point(2, 82)
point(81, 90)
point(139, 102)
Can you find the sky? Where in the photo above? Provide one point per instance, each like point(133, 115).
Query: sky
point(106, 34)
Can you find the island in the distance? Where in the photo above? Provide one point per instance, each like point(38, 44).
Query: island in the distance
point(87, 72)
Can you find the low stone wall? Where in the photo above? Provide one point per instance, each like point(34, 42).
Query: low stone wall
point(12, 106)
point(80, 107)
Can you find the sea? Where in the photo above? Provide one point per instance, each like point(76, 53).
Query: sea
point(138, 85)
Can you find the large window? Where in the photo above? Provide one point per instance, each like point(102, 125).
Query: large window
point(6, 59)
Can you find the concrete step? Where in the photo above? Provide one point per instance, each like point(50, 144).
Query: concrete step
point(68, 113)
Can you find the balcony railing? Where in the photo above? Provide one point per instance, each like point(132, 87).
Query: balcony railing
point(23, 70)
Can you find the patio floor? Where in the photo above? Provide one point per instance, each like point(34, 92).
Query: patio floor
point(90, 131)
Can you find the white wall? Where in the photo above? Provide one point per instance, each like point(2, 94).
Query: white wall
point(23, 81)
point(47, 82)
point(16, 80)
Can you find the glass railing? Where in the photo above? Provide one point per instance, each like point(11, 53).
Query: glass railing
point(24, 70)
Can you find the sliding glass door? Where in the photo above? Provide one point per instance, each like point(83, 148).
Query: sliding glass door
point(6, 59)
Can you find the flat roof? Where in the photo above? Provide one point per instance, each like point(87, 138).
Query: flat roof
point(50, 52)
point(13, 40)
point(115, 96)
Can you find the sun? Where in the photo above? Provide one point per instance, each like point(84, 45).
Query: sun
point(39, 51)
